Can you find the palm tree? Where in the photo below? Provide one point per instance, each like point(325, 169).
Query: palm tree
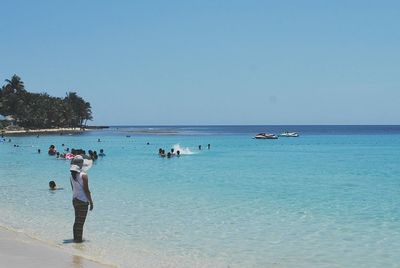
point(15, 84)
point(13, 95)
point(80, 110)
point(42, 110)
point(85, 113)
point(2, 100)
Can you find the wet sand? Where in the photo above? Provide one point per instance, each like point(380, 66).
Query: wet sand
point(20, 251)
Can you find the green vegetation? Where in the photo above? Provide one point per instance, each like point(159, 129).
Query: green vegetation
point(39, 110)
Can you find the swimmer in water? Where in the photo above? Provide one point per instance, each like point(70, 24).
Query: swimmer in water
point(53, 186)
point(162, 154)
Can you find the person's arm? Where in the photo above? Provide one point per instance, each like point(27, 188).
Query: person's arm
point(86, 189)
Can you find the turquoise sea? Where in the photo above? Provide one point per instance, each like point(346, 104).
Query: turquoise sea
point(330, 198)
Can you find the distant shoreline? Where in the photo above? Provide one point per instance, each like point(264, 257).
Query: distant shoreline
point(46, 131)
point(26, 132)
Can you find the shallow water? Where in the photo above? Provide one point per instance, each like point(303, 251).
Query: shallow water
point(329, 198)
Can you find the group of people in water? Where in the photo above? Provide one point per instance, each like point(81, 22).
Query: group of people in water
point(67, 154)
point(77, 156)
point(2, 139)
point(208, 146)
point(161, 152)
point(81, 195)
point(172, 152)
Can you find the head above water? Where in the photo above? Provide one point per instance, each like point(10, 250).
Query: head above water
point(52, 185)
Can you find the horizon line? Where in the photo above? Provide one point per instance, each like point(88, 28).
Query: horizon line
point(205, 125)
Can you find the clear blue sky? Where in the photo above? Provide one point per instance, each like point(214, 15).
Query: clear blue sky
point(211, 62)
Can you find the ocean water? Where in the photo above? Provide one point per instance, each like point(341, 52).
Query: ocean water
point(330, 198)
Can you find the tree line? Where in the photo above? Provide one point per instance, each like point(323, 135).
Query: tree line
point(40, 110)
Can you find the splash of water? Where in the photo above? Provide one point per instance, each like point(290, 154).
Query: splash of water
point(183, 150)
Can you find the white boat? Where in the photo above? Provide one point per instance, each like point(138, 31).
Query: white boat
point(289, 134)
point(265, 136)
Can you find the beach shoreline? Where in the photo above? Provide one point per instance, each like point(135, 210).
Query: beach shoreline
point(19, 250)
point(43, 131)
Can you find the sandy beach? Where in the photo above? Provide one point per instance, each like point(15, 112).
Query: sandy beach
point(9, 132)
point(17, 250)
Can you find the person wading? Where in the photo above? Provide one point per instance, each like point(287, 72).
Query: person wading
point(82, 199)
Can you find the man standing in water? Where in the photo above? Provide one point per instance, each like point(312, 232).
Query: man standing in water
point(81, 200)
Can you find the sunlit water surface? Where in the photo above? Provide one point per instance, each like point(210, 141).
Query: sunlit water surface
point(330, 198)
